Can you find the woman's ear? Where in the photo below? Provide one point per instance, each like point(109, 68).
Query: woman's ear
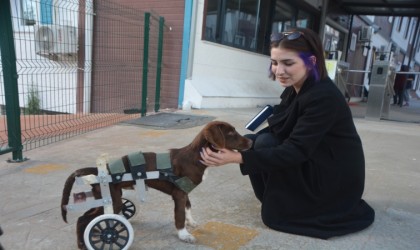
point(312, 59)
point(214, 136)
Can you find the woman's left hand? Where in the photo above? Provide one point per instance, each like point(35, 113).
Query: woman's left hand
point(221, 157)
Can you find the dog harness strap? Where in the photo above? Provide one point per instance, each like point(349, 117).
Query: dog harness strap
point(138, 172)
point(116, 166)
point(185, 184)
point(163, 161)
point(163, 164)
point(137, 165)
point(136, 159)
point(116, 169)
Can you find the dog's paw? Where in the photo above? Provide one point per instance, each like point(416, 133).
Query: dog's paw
point(81, 245)
point(185, 236)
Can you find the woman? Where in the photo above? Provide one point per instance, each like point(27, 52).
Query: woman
point(307, 168)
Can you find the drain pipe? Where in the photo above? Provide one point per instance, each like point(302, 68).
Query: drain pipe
point(185, 50)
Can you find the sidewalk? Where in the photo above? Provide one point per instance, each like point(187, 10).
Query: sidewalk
point(223, 205)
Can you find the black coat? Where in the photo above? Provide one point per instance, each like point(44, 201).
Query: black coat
point(316, 174)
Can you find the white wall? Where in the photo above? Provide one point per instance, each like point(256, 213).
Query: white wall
point(226, 77)
point(55, 81)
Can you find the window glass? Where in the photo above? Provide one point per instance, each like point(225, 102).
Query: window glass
point(247, 24)
point(304, 19)
point(241, 23)
point(283, 17)
point(288, 16)
point(211, 20)
point(46, 11)
point(28, 12)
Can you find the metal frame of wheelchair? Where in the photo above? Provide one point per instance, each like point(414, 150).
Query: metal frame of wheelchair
point(110, 230)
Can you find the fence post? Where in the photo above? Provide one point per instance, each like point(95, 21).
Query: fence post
point(8, 60)
point(159, 63)
point(145, 63)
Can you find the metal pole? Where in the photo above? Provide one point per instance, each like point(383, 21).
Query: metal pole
point(322, 22)
point(159, 63)
point(10, 76)
point(145, 63)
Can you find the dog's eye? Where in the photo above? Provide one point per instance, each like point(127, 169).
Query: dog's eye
point(232, 132)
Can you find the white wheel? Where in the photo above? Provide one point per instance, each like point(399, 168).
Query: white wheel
point(108, 231)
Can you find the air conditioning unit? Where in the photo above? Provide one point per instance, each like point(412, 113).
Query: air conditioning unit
point(55, 40)
point(365, 33)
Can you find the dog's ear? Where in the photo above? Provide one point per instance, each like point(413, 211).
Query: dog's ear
point(215, 136)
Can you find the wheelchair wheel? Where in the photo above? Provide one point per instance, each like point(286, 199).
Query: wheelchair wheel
point(128, 209)
point(108, 231)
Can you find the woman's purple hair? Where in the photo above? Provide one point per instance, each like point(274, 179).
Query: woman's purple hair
point(313, 69)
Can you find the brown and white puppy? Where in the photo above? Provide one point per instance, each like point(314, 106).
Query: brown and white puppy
point(185, 162)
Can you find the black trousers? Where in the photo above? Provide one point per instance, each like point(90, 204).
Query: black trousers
point(399, 97)
point(260, 141)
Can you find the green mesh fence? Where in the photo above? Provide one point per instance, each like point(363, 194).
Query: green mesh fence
point(80, 66)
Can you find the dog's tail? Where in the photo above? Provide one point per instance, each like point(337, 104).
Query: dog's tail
point(69, 185)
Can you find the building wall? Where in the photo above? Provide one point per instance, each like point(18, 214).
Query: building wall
point(38, 73)
point(173, 13)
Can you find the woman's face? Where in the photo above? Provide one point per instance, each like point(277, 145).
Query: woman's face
point(288, 67)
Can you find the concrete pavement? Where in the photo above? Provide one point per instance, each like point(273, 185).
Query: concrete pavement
point(223, 205)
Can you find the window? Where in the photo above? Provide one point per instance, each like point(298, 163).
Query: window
point(28, 12)
point(400, 21)
point(233, 22)
point(287, 16)
point(247, 24)
point(407, 28)
point(46, 11)
point(33, 11)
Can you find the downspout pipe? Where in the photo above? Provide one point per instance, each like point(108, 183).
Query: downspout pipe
point(185, 50)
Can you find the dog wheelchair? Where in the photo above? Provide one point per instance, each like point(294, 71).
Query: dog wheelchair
point(112, 231)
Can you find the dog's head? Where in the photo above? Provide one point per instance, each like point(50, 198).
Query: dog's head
point(223, 135)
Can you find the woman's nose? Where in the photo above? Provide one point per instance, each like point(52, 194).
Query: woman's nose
point(279, 70)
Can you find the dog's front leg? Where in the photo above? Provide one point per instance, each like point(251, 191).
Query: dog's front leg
point(180, 200)
point(188, 215)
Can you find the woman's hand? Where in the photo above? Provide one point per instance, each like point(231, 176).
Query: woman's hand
point(221, 157)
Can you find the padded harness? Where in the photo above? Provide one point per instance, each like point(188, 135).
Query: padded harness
point(137, 165)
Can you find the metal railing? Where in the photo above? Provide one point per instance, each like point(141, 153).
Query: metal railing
point(72, 67)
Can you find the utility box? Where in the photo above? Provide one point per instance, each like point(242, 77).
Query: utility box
point(379, 94)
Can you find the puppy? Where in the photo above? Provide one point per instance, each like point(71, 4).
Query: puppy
point(185, 162)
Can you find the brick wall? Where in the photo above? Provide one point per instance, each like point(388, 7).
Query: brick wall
point(118, 54)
